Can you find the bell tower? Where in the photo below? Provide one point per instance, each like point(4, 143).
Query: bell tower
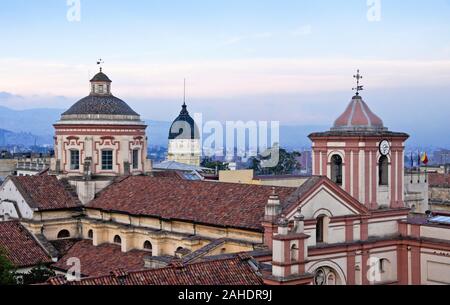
point(362, 156)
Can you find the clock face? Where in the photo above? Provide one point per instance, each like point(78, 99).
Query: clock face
point(385, 147)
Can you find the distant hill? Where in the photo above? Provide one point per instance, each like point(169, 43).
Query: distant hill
point(36, 121)
point(24, 126)
point(21, 138)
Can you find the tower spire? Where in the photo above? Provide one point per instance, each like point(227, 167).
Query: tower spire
point(359, 87)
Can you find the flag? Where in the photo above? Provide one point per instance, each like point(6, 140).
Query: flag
point(412, 160)
point(419, 159)
point(425, 158)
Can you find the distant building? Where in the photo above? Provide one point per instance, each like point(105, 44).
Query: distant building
point(184, 140)
point(32, 166)
point(248, 177)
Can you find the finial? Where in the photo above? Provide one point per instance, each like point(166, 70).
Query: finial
point(359, 87)
point(283, 221)
point(100, 62)
point(184, 94)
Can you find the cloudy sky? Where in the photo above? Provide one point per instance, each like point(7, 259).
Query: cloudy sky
point(286, 60)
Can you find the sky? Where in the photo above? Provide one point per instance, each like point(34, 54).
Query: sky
point(286, 60)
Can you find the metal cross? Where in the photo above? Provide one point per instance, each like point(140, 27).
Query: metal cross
point(358, 86)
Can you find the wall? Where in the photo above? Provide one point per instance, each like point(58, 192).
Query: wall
point(90, 140)
point(9, 194)
point(184, 151)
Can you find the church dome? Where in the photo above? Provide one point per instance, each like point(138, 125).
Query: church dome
point(100, 104)
point(184, 127)
point(358, 117)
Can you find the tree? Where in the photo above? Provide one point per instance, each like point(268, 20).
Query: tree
point(37, 275)
point(287, 163)
point(216, 165)
point(6, 270)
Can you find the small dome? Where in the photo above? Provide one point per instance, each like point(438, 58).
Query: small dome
point(358, 117)
point(101, 77)
point(184, 127)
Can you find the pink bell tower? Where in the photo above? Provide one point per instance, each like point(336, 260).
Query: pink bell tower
point(362, 156)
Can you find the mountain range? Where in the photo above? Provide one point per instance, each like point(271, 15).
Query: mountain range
point(27, 127)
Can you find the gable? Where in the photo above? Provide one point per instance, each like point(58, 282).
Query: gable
point(324, 201)
point(322, 196)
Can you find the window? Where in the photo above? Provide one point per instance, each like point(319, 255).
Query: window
point(117, 240)
point(336, 169)
point(107, 160)
point(63, 234)
point(74, 159)
point(90, 234)
point(320, 229)
point(135, 158)
point(100, 89)
point(148, 246)
point(383, 170)
point(384, 264)
point(294, 253)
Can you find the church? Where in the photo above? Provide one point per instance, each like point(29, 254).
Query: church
point(347, 224)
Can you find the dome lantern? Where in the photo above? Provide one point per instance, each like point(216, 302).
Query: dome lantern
point(101, 84)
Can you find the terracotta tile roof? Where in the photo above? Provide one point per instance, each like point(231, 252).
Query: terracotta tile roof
point(233, 271)
point(64, 245)
point(20, 247)
point(213, 203)
point(101, 260)
point(439, 180)
point(46, 192)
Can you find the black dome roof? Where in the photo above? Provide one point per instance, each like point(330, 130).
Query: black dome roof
point(101, 77)
point(100, 104)
point(184, 122)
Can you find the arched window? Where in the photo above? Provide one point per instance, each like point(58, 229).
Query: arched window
point(294, 253)
point(320, 229)
point(331, 279)
point(384, 265)
point(117, 240)
point(383, 167)
point(63, 234)
point(336, 169)
point(90, 234)
point(148, 246)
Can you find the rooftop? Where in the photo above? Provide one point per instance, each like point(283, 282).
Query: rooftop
point(20, 247)
point(238, 271)
point(101, 260)
point(213, 203)
point(45, 192)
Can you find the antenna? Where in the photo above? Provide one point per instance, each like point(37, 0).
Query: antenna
point(359, 87)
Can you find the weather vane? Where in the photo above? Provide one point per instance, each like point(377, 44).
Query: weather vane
point(358, 86)
point(100, 62)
